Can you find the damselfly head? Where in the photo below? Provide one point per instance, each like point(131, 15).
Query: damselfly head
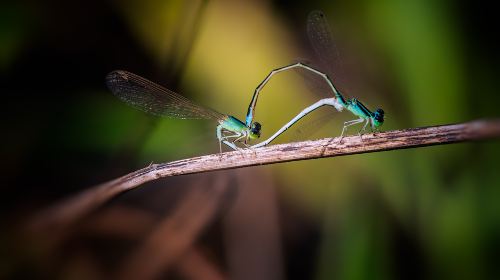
point(255, 130)
point(378, 117)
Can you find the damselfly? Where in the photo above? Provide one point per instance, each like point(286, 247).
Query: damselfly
point(320, 37)
point(159, 101)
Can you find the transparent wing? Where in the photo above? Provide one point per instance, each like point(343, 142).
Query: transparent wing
point(343, 69)
point(314, 124)
point(327, 55)
point(321, 39)
point(314, 83)
point(154, 99)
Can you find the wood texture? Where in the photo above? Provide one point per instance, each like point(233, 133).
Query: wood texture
point(75, 207)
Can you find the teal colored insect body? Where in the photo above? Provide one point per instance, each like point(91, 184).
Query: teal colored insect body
point(159, 101)
point(321, 39)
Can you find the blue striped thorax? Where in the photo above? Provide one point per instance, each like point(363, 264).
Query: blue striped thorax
point(233, 124)
point(360, 110)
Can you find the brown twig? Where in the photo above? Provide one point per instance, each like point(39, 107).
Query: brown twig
point(72, 209)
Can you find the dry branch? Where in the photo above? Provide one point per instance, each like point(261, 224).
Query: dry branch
point(72, 209)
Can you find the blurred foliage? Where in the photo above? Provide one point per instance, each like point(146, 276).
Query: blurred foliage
point(16, 28)
point(421, 213)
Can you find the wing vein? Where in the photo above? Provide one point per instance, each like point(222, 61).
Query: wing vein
point(154, 99)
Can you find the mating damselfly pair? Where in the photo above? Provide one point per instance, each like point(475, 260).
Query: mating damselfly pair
point(157, 100)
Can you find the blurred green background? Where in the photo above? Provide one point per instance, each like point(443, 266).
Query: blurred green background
point(415, 214)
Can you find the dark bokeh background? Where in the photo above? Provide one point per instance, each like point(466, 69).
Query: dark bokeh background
point(422, 213)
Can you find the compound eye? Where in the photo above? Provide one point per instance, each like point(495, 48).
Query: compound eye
point(256, 126)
